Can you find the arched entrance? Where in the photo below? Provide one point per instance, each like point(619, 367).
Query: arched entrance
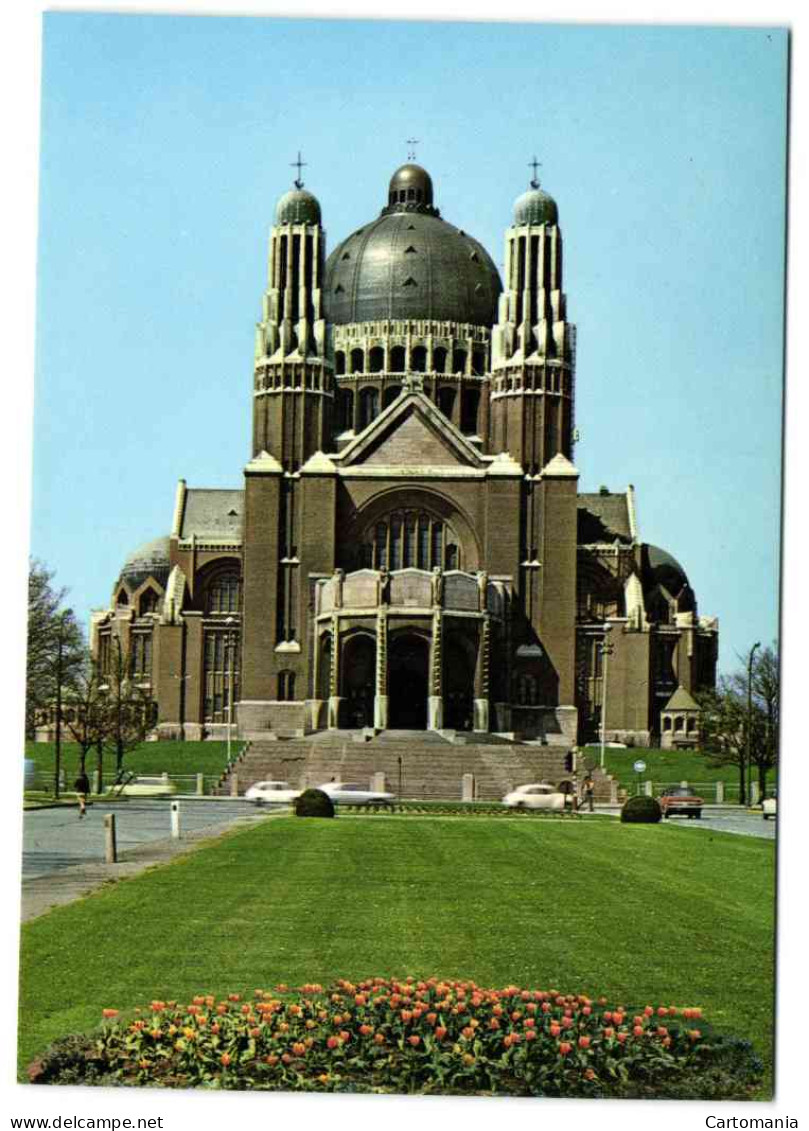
point(358, 681)
point(408, 666)
point(459, 681)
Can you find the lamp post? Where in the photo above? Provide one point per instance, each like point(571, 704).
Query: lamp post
point(746, 786)
point(605, 650)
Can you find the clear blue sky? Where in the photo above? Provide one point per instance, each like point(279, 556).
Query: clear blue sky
point(166, 141)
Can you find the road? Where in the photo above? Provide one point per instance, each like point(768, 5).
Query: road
point(730, 821)
point(56, 838)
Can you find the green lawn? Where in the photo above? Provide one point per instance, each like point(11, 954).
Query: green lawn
point(670, 766)
point(639, 913)
point(148, 758)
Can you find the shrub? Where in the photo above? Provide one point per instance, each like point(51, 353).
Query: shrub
point(314, 803)
point(641, 811)
point(430, 1037)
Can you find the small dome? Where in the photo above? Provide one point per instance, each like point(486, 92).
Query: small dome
point(149, 560)
point(535, 207)
point(410, 184)
point(665, 570)
point(297, 207)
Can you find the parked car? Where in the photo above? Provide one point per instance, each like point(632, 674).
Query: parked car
point(680, 799)
point(769, 806)
point(343, 794)
point(279, 792)
point(539, 795)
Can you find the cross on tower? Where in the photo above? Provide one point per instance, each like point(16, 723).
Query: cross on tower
point(299, 164)
point(534, 165)
point(411, 152)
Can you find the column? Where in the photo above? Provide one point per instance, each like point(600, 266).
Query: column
point(435, 703)
point(481, 702)
point(334, 676)
point(381, 690)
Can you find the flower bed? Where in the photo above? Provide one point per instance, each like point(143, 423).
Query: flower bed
point(438, 1037)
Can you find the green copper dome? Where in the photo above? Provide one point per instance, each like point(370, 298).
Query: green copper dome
point(297, 207)
point(535, 207)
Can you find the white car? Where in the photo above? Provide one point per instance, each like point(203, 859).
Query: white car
point(769, 807)
point(343, 794)
point(279, 792)
point(540, 795)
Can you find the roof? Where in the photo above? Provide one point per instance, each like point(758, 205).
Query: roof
point(410, 264)
point(603, 518)
point(213, 514)
point(149, 560)
point(681, 700)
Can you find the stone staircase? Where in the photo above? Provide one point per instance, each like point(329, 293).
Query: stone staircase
point(418, 765)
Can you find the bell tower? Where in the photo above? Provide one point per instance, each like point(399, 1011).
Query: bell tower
point(533, 344)
point(293, 389)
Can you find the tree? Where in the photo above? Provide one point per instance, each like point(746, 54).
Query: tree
point(56, 649)
point(86, 712)
point(729, 728)
point(129, 708)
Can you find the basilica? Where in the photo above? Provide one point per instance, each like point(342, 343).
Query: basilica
point(409, 549)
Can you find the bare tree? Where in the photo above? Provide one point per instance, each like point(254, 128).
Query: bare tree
point(56, 648)
point(729, 728)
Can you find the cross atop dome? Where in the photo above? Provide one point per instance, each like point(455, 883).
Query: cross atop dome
point(534, 164)
point(299, 165)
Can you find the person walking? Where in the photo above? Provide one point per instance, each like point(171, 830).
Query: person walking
point(82, 788)
point(589, 791)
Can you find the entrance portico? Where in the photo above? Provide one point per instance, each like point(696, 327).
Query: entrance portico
point(409, 650)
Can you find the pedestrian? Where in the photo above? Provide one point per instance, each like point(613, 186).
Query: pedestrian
point(589, 790)
point(82, 788)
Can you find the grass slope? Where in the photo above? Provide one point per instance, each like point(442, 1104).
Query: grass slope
point(148, 758)
point(670, 766)
point(639, 913)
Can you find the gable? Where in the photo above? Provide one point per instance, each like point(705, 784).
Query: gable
point(412, 444)
point(411, 433)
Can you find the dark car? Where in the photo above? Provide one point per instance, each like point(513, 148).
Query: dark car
point(680, 799)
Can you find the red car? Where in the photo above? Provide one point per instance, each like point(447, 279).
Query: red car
point(680, 799)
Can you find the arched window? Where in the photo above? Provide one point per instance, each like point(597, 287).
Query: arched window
point(140, 656)
point(148, 602)
point(397, 359)
point(221, 675)
point(692, 724)
point(286, 686)
point(446, 400)
point(527, 690)
point(369, 406)
point(412, 538)
point(469, 411)
point(459, 361)
point(666, 722)
point(478, 362)
point(678, 723)
point(418, 359)
point(224, 592)
point(376, 359)
point(339, 362)
point(357, 361)
point(345, 410)
point(390, 394)
point(439, 359)
point(121, 598)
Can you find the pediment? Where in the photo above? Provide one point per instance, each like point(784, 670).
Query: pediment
point(411, 433)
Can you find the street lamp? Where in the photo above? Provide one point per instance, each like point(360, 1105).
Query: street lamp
point(749, 742)
point(605, 650)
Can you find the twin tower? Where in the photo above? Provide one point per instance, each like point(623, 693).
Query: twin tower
point(410, 301)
